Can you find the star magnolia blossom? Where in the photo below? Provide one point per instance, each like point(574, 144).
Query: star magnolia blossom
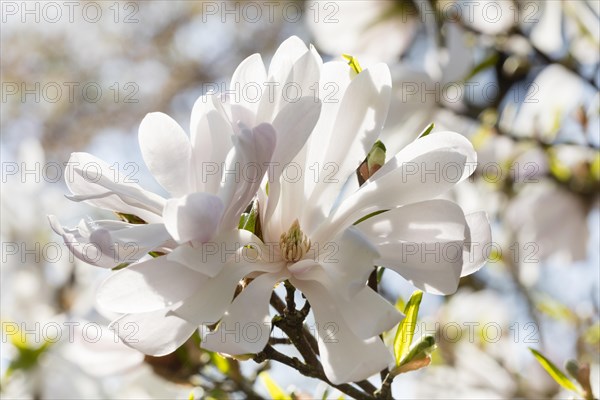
point(211, 176)
point(309, 236)
point(314, 233)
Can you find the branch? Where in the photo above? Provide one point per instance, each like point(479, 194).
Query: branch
point(386, 388)
point(269, 353)
point(291, 322)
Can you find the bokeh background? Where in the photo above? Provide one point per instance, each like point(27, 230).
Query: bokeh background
point(518, 78)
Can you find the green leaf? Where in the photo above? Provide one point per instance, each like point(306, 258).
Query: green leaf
point(554, 372)
point(555, 309)
point(380, 271)
point(427, 130)
point(248, 220)
point(120, 266)
point(557, 168)
point(485, 64)
point(28, 353)
point(418, 357)
point(366, 217)
point(592, 334)
point(353, 63)
point(372, 163)
point(273, 388)
point(376, 157)
point(406, 329)
point(400, 304)
point(420, 350)
point(220, 362)
point(130, 218)
point(595, 168)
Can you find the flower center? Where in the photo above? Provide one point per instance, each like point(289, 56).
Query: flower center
point(294, 244)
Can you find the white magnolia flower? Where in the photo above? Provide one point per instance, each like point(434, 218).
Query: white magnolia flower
point(212, 175)
point(557, 106)
point(308, 237)
point(541, 231)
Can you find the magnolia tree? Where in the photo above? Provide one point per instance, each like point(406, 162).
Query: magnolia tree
point(273, 190)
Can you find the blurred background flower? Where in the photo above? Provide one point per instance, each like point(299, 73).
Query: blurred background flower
point(519, 78)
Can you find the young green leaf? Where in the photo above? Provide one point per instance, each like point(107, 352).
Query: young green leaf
point(427, 130)
point(273, 388)
point(353, 63)
point(220, 362)
point(554, 372)
point(406, 329)
point(420, 350)
point(249, 220)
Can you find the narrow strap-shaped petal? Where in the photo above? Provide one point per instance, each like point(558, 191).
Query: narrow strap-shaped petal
point(366, 313)
point(155, 333)
point(167, 152)
point(148, 286)
point(345, 356)
point(425, 169)
point(210, 257)
point(245, 168)
point(93, 181)
point(293, 125)
point(477, 244)
point(211, 300)
point(423, 242)
point(248, 84)
point(246, 326)
point(359, 121)
point(194, 217)
point(211, 142)
point(347, 260)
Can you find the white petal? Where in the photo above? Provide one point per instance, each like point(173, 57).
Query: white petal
point(477, 246)
point(366, 313)
point(293, 125)
point(210, 257)
point(148, 286)
point(412, 111)
point(292, 71)
point(194, 217)
point(299, 82)
point(423, 242)
point(345, 357)
point(245, 168)
point(211, 134)
point(248, 83)
point(429, 220)
point(156, 333)
point(93, 181)
point(102, 358)
point(435, 142)
point(109, 243)
point(78, 245)
point(285, 56)
point(166, 151)
point(209, 303)
point(146, 237)
point(246, 326)
point(359, 121)
point(349, 260)
point(425, 169)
